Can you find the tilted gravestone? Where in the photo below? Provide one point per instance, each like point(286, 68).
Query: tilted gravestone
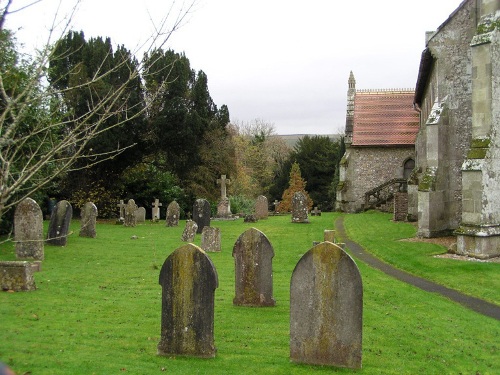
point(326, 308)
point(188, 279)
point(173, 214)
point(130, 218)
point(299, 208)
point(140, 215)
point(201, 214)
point(60, 220)
point(261, 207)
point(28, 230)
point(16, 276)
point(88, 217)
point(210, 239)
point(253, 256)
point(189, 231)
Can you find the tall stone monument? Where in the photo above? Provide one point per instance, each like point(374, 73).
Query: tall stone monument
point(224, 206)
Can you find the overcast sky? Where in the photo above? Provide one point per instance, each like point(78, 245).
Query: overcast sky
point(285, 62)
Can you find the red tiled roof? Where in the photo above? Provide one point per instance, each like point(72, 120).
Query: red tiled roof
point(384, 118)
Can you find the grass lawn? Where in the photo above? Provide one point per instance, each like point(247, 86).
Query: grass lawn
point(98, 304)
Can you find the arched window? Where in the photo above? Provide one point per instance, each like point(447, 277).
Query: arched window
point(409, 165)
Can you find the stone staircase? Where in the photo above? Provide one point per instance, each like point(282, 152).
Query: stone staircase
point(381, 197)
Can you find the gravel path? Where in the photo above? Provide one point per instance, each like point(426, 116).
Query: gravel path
point(473, 303)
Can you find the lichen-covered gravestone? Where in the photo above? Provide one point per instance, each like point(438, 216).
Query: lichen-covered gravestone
point(299, 208)
point(253, 261)
point(201, 214)
point(326, 308)
point(189, 231)
point(130, 218)
point(173, 213)
point(261, 207)
point(210, 239)
point(188, 279)
point(88, 216)
point(28, 230)
point(60, 220)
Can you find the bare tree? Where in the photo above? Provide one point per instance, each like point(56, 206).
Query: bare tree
point(34, 153)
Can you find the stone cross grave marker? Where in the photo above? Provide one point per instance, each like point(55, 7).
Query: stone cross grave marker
point(299, 208)
point(188, 279)
point(210, 239)
point(224, 205)
point(201, 214)
point(121, 206)
point(130, 218)
point(88, 217)
point(223, 181)
point(253, 257)
point(155, 211)
point(28, 230)
point(60, 220)
point(316, 211)
point(173, 213)
point(326, 308)
point(140, 215)
point(261, 207)
point(189, 231)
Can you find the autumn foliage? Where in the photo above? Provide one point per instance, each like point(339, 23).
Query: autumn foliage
point(296, 183)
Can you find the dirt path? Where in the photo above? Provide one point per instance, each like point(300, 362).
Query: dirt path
point(473, 303)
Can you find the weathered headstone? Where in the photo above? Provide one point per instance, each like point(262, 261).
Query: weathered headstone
point(188, 279)
point(326, 308)
point(253, 261)
point(60, 220)
point(299, 208)
point(329, 235)
point(224, 205)
point(140, 215)
point(28, 230)
point(155, 211)
point(173, 214)
point(261, 207)
point(130, 218)
point(189, 231)
point(210, 239)
point(16, 276)
point(122, 206)
point(201, 214)
point(276, 205)
point(88, 217)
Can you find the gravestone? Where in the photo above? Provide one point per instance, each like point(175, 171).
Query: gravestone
point(60, 220)
point(210, 239)
point(261, 207)
point(299, 208)
point(329, 235)
point(130, 218)
point(316, 211)
point(253, 258)
point(276, 205)
point(88, 217)
point(189, 231)
point(16, 276)
point(326, 308)
point(173, 214)
point(224, 206)
point(188, 279)
point(140, 215)
point(28, 230)
point(155, 211)
point(122, 206)
point(201, 214)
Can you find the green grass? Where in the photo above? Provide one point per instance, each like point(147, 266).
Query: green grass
point(97, 311)
point(379, 235)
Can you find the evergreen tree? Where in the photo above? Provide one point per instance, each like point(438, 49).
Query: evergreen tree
point(296, 183)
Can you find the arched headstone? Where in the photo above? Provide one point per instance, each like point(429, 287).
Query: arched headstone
point(188, 279)
point(60, 219)
point(28, 230)
point(253, 263)
point(201, 214)
point(326, 308)
point(173, 214)
point(88, 220)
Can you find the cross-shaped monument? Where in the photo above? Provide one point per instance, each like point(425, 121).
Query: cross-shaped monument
point(122, 208)
point(223, 181)
point(155, 211)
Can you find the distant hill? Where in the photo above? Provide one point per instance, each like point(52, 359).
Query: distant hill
point(292, 139)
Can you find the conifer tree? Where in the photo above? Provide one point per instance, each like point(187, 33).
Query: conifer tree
point(296, 183)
